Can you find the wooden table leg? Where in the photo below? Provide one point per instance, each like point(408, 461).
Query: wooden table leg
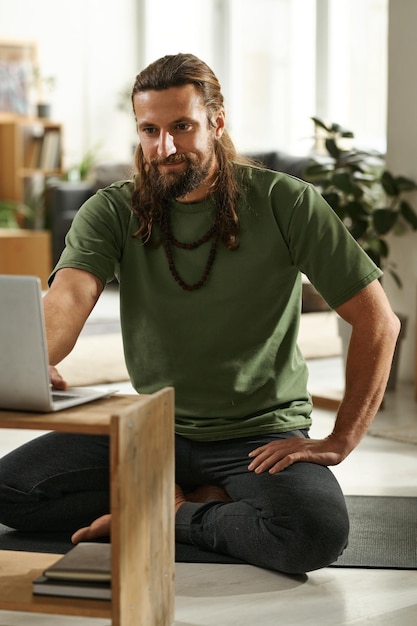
point(142, 504)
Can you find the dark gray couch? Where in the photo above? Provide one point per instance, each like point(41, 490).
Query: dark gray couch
point(63, 199)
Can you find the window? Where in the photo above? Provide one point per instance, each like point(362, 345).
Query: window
point(282, 61)
point(352, 73)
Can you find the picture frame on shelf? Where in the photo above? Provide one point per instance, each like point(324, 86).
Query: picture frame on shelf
point(17, 60)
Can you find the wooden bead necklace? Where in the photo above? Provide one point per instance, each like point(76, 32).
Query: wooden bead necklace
point(169, 240)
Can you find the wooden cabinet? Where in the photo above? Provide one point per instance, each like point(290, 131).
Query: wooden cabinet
point(30, 150)
point(26, 252)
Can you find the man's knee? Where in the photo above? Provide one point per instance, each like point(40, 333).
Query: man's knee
point(314, 539)
point(12, 506)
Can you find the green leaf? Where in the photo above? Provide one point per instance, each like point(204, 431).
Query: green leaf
point(405, 184)
point(408, 214)
point(352, 160)
point(343, 180)
point(8, 221)
point(320, 123)
point(332, 199)
point(337, 129)
point(356, 211)
point(377, 249)
point(389, 184)
point(364, 178)
point(14, 214)
point(396, 278)
point(315, 170)
point(384, 220)
point(332, 148)
point(379, 246)
point(358, 229)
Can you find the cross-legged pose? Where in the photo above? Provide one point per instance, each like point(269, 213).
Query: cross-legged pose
point(209, 251)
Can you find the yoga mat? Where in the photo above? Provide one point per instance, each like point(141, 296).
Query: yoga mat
point(383, 536)
point(383, 533)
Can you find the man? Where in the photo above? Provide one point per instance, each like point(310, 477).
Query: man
point(209, 253)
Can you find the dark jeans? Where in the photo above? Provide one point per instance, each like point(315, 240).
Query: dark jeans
point(294, 521)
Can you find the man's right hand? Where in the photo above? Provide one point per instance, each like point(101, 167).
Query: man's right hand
point(56, 379)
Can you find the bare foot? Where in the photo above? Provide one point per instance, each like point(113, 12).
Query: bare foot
point(99, 528)
point(179, 497)
point(208, 492)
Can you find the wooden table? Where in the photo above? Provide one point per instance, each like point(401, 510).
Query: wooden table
point(141, 431)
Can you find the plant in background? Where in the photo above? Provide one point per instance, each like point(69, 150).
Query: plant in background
point(43, 84)
point(369, 199)
point(84, 169)
point(124, 99)
point(14, 214)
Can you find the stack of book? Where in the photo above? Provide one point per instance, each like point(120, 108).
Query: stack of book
point(83, 572)
point(44, 151)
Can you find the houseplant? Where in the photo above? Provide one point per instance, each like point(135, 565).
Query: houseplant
point(43, 85)
point(14, 214)
point(369, 199)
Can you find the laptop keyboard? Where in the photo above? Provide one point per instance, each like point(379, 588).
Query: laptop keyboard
point(60, 397)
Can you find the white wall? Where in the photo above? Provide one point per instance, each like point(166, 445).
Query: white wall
point(402, 159)
point(91, 49)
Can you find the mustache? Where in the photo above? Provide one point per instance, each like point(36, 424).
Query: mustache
point(170, 160)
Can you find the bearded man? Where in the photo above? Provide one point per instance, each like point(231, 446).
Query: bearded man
point(209, 251)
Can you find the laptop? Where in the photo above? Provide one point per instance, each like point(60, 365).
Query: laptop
point(24, 368)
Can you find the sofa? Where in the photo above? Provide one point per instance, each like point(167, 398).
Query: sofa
point(63, 199)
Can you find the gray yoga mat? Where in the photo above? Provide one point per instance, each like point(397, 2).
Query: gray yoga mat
point(383, 535)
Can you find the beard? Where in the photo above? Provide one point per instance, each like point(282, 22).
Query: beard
point(172, 185)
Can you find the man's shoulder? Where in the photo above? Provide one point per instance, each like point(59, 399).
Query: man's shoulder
point(116, 195)
point(115, 200)
point(124, 187)
point(263, 181)
point(257, 171)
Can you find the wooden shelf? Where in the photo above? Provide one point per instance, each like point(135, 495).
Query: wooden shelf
point(141, 431)
point(29, 148)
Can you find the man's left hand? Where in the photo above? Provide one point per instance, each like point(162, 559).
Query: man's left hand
point(277, 455)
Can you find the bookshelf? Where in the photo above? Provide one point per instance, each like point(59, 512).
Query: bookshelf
point(30, 151)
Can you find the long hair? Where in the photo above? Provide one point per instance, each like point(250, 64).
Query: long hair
point(176, 71)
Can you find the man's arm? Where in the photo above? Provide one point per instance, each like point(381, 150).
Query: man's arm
point(67, 305)
point(375, 329)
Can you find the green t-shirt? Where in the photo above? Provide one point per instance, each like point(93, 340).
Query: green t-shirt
point(230, 348)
